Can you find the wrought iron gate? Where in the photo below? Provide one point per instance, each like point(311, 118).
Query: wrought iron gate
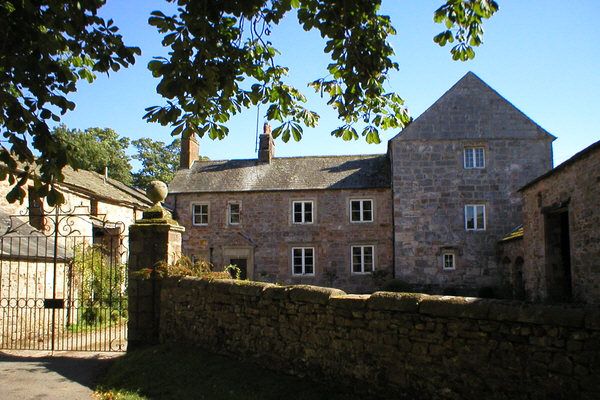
point(63, 281)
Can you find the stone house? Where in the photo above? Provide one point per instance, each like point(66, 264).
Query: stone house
point(297, 220)
point(559, 245)
point(428, 212)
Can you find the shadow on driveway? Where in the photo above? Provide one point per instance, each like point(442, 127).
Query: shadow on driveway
point(64, 375)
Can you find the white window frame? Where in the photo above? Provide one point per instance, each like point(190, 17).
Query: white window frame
point(476, 227)
point(473, 151)
point(239, 204)
point(303, 212)
point(361, 210)
point(303, 256)
point(362, 259)
point(453, 258)
point(194, 214)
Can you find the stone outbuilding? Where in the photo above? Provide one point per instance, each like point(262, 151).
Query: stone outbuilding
point(561, 240)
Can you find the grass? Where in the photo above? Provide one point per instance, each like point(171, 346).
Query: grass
point(170, 372)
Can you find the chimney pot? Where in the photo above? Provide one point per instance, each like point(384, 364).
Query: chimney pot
point(266, 129)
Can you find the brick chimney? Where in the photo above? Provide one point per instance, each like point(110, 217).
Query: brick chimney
point(266, 147)
point(189, 151)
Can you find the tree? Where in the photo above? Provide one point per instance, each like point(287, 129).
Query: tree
point(96, 149)
point(220, 62)
point(46, 47)
point(159, 161)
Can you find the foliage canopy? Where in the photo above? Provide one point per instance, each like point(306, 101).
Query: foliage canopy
point(159, 161)
point(46, 47)
point(95, 149)
point(220, 62)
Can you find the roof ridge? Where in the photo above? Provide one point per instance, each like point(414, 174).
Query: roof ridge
point(297, 157)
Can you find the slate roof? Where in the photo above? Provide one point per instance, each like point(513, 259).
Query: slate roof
point(293, 173)
point(19, 240)
point(471, 109)
point(93, 183)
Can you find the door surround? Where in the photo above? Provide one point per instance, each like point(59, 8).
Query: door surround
point(247, 252)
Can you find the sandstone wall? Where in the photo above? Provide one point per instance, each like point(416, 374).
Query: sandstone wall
point(576, 188)
point(266, 234)
point(421, 346)
point(431, 188)
point(24, 284)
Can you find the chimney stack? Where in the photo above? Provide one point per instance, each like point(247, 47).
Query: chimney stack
point(266, 146)
point(189, 151)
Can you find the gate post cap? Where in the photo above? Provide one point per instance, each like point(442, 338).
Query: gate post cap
point(157, 192)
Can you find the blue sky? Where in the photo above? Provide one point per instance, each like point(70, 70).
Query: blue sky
point(542, 55)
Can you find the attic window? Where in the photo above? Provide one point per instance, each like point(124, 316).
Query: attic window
point(474, 157)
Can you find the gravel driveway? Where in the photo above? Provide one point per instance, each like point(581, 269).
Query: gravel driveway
point(37, 375)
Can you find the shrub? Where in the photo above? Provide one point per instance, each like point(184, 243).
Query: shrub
point(184, 266)
point(231, 271)
point(98, 279)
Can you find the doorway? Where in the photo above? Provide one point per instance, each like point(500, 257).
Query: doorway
point(242, 264)
point(558, 256)
point(242, 257)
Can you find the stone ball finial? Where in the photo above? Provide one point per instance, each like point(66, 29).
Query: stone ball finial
point(157, 191)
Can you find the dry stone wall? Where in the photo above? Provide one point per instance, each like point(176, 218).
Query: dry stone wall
point(393, 344)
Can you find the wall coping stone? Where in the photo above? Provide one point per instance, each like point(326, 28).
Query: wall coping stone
point(188, 281)
point(352, 302)
point(454, 306)
point(313, 294)
point(247, 288)
point(275, 292)
point(392, 301)
point(158, 225)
